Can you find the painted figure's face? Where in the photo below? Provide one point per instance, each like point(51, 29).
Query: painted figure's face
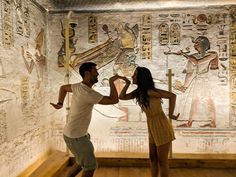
point(134, 77)
point(94, 75)
point(201, 45)
point(197, 44)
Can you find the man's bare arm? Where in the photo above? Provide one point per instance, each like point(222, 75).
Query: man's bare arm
point(61, 97)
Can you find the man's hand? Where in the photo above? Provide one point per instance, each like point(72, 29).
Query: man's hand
point(56, 106)
point(115, 77)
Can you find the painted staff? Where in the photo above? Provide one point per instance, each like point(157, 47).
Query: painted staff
point(170, 75)
point(67, 58)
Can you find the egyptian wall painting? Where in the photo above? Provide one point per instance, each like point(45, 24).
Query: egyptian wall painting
point(24, 127)
point(160, 41)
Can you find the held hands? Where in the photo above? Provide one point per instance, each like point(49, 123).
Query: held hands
point(56, 106)
point(115, 77)
point(127, 81)
point(174, 117)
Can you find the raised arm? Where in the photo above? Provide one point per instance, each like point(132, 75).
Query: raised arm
point(113, 97)
point(29, 66)
point(168, 95)
point(123, 95)
point(62, 94)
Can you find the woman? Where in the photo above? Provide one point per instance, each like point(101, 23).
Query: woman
point(159, 129)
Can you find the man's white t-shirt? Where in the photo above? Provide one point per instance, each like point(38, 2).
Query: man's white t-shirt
point(83, 100)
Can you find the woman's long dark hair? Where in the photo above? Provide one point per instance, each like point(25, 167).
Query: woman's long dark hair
point(144, 83)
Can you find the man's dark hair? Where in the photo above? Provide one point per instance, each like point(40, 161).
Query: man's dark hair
point(86, 67)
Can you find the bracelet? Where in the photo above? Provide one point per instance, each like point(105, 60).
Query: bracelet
point(59, 103)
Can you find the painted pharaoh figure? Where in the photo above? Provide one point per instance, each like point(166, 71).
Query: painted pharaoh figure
point(200, 106)
point(34, 57)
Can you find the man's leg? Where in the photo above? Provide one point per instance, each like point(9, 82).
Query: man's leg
point(88, 157)
point(87, 173)
point(72, 170)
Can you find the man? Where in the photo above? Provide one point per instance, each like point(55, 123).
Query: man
point(83, 99)
point(197, 82)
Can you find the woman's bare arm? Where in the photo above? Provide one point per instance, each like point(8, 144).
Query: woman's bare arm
point(123, 95)
point(158, 93)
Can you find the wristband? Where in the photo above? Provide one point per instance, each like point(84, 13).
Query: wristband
point(59, 103)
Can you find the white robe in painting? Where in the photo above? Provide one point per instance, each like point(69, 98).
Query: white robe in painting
point(197, 103)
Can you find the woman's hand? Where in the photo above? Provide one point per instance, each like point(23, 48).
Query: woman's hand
point(174, 117)
point(57, 106)
point(113, 78)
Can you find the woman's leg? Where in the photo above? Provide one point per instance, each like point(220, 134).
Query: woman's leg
point(162, 153)
point(153, 160)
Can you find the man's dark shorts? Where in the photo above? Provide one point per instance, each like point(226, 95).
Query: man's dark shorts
point(83, 150)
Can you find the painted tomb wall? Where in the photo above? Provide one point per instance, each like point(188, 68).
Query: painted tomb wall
point(32, 69)
point(24, 86)
point(159, 40)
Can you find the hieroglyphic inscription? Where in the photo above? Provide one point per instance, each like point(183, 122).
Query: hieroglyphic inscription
point(146, 37)
point(233, 41)
point(163, 34)
point(19, 20)
point(92, 29)
point(122, 144)
point(26, 19)
point(187, 22)
point(24, 90)
point(2, 70)
point(3, 126)
point(175, 34)
point(22, 17)
point(223, 48)
point(232, 67)
point(233, 92)
point(7, 23)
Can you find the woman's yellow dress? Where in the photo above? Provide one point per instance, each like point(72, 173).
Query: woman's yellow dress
point(159, 128)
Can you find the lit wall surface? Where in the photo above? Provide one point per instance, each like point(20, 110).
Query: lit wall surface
point(31, 71)
point(24, 120)
point(206, 104)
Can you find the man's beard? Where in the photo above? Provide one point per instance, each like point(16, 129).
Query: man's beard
point(95, 80)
